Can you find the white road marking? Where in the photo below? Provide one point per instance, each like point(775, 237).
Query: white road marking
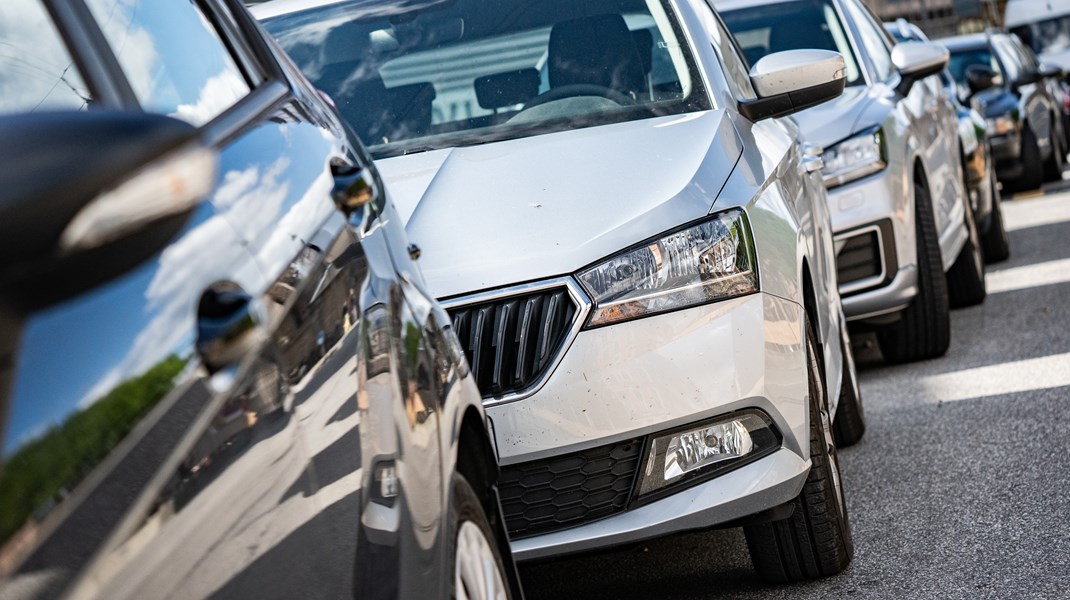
point(1035, 212)
point(993, 380)
point(1027, 276)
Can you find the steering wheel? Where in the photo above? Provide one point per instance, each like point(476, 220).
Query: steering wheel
point(580, 89)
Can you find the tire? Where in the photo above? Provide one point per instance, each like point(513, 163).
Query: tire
point(815, 541)
point(924, 328)
point(850, 422)
point(473, 550)
point(1032, 169)
point(966, 279)
point(1053, 167)
point(995, 241)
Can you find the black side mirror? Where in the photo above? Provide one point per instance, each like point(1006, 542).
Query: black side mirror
point(1050, 71)
point(980, 78)
point(95, 193)
point(1027, 77)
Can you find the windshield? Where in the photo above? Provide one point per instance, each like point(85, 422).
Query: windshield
point(962, 59)
point(769, 28)
point(1051, 35)
point(424, 74)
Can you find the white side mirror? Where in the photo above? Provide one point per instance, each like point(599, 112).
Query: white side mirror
point(787, 82)
point(918, 60)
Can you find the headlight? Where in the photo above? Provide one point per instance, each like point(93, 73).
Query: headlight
point(710, 261)
point(1002, 124)
point(854, 158)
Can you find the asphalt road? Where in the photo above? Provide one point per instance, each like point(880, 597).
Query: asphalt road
point(961, 487)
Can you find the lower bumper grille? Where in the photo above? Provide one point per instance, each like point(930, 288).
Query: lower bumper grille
point(865, 257)
point(564, 491)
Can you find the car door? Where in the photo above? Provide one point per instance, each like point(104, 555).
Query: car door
point(192, 427)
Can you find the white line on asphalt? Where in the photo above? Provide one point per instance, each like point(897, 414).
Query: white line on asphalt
point(1028, 276)
point(1005, 378)
point(1025, 213)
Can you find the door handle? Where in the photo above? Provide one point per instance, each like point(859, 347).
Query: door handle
point(353, 186)
point(228, 326)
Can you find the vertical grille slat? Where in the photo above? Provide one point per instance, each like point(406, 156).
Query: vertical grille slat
point(511, 341)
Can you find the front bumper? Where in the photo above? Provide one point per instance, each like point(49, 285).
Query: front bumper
point(1007, 152)
point(630, 380)
point(877, 205)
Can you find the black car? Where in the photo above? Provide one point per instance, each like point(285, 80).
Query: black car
point(977, 162)
point(220, 373)
point(1020, 99)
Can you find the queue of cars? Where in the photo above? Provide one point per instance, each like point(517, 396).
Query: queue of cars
point(497, 281)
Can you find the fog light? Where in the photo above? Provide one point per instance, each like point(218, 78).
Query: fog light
point(707, 449)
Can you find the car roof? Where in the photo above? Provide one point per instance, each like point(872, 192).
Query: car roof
point(724, 5)
point(965, 42)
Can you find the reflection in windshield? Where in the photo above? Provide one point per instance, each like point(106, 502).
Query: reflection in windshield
point(1051, 35)
point(476, 71)
point(765, 29)
point(36, 72)
point(962, 59)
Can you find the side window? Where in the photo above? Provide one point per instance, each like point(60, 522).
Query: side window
point(873, 40)
point(174, 58)
point(736, 69)
point(1025, 55)
point(36, 70)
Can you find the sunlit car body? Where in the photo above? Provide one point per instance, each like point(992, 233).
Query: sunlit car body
point(1021, 100)
point(891, 164)
point(557, 159)
point(219, 372)
point(977, 161)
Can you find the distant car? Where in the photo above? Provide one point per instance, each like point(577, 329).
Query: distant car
point(635, 249)
point(1044, 25)
point(892, 166)
point(220, 371)
point(981, 182)
point(1022, 101)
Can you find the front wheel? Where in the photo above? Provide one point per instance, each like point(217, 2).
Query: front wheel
point(850, 422)
point(478, 572)
point(1053, 167)
point(924, 328)
point(966, 279)
point(996, 243)
point(1032, 168)
point(815, 541)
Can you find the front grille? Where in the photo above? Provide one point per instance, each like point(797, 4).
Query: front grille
point(859, 258)
point(511, 341)
point(564, 491)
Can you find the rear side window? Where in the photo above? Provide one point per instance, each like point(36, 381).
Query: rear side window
point(173, 57)
point(36, 70)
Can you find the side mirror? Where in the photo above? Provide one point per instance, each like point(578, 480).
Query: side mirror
point(980, 78)
point(1049, 71)
point(95, 193)
point(790, 81)
point(916, 61)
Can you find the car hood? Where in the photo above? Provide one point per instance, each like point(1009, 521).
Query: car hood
point(1059, 58)
point(831, 122)
point(520, 210)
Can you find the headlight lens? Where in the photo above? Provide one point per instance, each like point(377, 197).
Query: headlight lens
point(710, 261)
point(854, 158)
point(1002, 124)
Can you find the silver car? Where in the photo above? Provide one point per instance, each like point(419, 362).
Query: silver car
point(893, 168)
point(635, 250)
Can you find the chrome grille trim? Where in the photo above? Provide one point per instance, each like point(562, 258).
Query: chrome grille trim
point(579, 299)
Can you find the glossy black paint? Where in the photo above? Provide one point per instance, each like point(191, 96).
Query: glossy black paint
point(219, 418)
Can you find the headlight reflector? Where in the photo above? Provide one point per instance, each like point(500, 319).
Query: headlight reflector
point(1002, 124)
point(708, 449)
point(854, 158)
point(710, 261)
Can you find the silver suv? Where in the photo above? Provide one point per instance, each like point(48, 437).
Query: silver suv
point(892, 166)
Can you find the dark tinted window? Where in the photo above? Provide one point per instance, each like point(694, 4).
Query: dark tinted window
point(769, 28)
point(36, 70)
point(962, 59)
point(1051, 35)
point(173, 57)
